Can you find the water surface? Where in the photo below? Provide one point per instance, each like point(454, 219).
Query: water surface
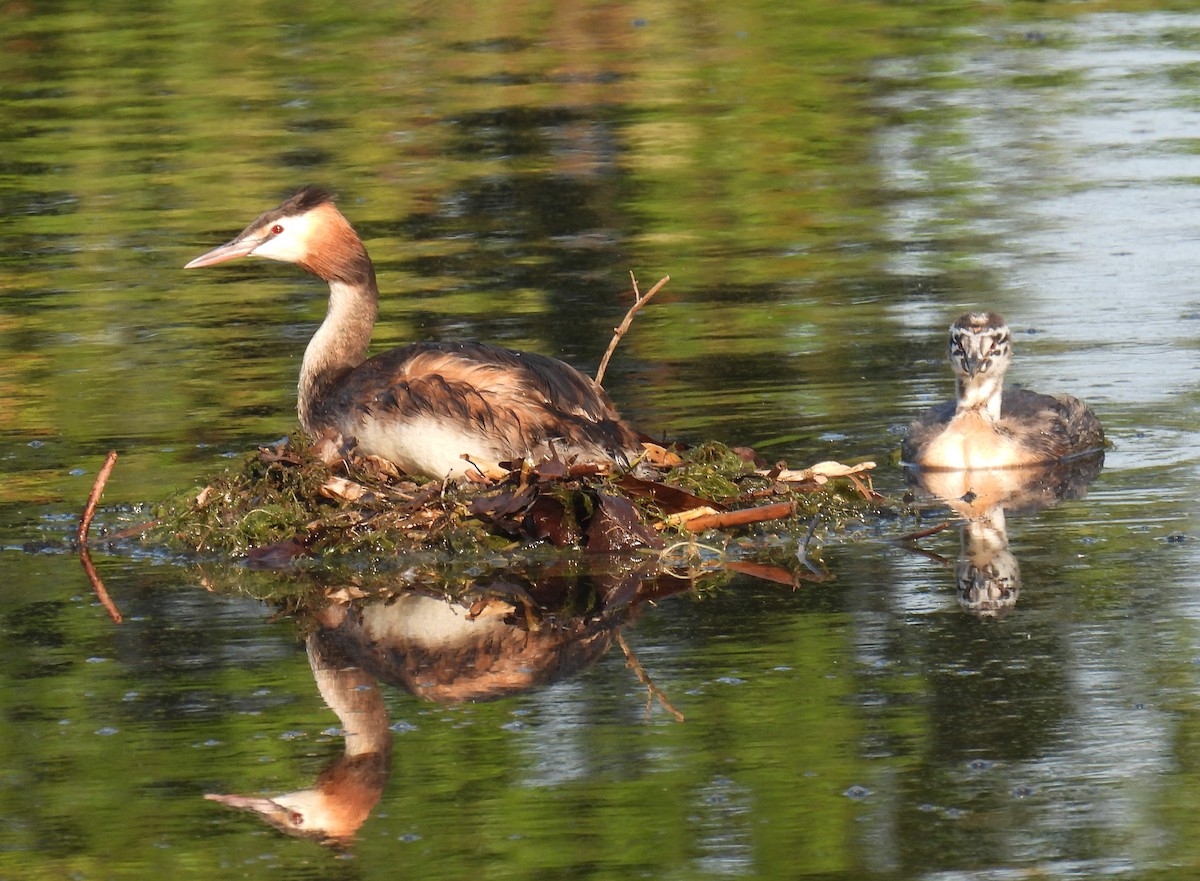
point(828, 188)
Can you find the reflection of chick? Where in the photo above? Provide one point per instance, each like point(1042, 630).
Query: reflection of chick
point(988, 576)
point(988, 427)
point(333, 808)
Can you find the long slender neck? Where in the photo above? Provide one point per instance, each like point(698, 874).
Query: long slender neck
point(982, 393)
point(352, 693)
point(986, 535)
point(340, 343)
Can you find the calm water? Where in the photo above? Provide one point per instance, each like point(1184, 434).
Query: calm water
point(828, 187)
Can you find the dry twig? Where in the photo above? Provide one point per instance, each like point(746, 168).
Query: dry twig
point(638, 302)
point(742, 517)
point(923, 533)
point(85, 524)
point(89, 510)
point(908, 542)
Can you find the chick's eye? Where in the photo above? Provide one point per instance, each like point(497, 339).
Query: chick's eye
point(276, 229)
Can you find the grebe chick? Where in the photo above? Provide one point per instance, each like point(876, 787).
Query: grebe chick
point(989, 426)
point(426, 405)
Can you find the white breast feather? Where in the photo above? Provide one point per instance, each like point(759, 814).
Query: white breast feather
point(427, 447)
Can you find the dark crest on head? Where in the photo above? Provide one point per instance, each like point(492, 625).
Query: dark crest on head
point(305, 199)
point(978, 321)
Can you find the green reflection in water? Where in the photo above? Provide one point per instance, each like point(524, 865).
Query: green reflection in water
point(505, 172)
point(508, 164)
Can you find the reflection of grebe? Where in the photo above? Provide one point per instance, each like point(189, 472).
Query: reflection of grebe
point(988, 575)
point(503, 637)
point(426, 405)
point(436, 648)
point(441, 651)
point(988, 426)
point(341, 799)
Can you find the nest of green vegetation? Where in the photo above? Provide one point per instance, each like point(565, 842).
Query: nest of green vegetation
point(285, 504)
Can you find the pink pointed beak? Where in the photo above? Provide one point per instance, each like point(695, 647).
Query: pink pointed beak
point(239, 247)
point(264, 806)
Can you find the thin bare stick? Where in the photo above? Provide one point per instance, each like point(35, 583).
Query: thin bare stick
point(638, 302)
point(741, 517)
point(865, 489)
point(929, 555)
point(633, 664)
point(89, 510)
point(132, 531)
point(802, 548)
point(923, 533)
point(98, 587)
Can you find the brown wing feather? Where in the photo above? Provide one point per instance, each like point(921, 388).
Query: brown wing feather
point(1056, 426)
point(521, 401)
point(1053, 426)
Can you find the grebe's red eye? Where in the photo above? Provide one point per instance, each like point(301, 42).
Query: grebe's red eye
point(276, 229)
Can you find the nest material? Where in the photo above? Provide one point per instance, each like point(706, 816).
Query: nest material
point(285, 503)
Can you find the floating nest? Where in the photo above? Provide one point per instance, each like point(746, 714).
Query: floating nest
point(286, 505)
point(302, 505)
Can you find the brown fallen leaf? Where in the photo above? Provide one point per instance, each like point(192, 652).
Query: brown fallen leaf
point(343, 490)
point(502, 508)
point(550, 468)
point(272, 455)
point(327, 450)
point(775, 574)
point(616, 526)
point(483, 472)
point(492, 607)
point(548, 519)
point(764, 571)
point(379, 467)
point(671, 499)
point(659, 456)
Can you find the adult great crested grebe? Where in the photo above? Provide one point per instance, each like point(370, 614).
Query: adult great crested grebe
point(988, 426)
point(428, 405)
